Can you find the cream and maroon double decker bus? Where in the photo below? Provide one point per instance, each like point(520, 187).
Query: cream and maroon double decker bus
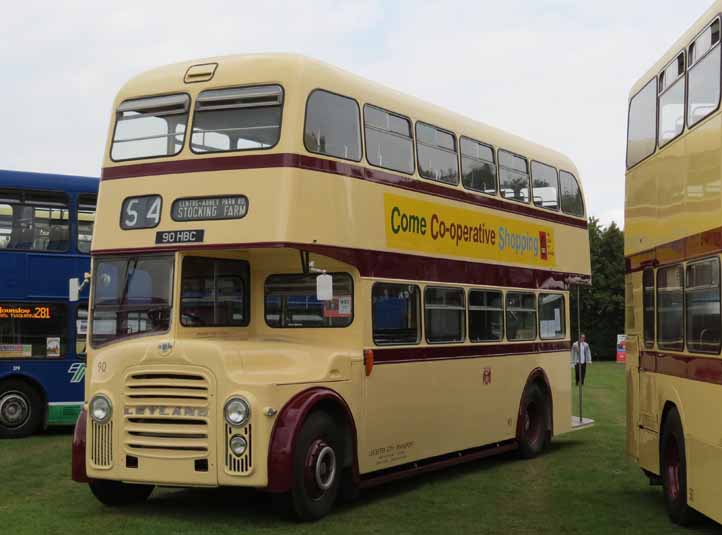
point(308, 283)
point(673, 241)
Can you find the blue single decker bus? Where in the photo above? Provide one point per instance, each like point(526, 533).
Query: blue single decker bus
point(46, 226)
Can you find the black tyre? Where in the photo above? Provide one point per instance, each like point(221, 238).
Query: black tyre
point(21, 409)
point(533, 427)
point(673, 466)
point(118, 494)
point(317, 467)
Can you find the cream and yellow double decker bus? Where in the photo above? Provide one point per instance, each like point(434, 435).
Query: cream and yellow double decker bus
point(307, 283)
point(673, 240)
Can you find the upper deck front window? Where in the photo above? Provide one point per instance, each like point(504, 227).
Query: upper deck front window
point(150, 127)
point(240, 118)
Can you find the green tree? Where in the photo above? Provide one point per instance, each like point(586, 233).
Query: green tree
point(602, 312)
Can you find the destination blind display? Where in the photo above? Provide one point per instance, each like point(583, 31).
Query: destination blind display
point(210, 208)
point(25, 312)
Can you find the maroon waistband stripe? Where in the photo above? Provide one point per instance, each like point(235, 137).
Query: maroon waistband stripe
point(691, 247)
point(383, 264)
point(314, 163)
point(421, 354)
point(703, 369)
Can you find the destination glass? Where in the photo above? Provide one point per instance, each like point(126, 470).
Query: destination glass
point(209, 208)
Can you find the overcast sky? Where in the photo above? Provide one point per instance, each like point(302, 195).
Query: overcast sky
point(557, 72)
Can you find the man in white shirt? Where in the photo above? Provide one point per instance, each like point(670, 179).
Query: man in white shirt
point(580, 362)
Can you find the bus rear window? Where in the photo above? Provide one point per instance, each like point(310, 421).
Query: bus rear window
point(33, 330)
point(241, 118)
point(150, 127)
point(290, 301)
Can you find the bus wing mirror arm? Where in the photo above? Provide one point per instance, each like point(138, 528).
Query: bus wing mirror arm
point(75, 287)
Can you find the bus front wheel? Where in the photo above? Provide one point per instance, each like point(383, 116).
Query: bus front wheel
point(317, 467)
point(116, 493)
point(533, 432)
point(673, 466)
point(21, 409)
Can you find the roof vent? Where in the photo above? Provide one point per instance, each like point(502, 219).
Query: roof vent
point(200, 73)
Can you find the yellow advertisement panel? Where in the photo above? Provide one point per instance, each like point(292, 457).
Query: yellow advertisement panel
point(421, 226)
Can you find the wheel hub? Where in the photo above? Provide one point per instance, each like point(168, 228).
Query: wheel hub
point(14, 409)
point(320, 468)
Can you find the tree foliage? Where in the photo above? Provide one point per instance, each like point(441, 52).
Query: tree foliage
point(602, 312)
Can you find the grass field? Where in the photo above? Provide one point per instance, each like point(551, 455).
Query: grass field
point(583, 485)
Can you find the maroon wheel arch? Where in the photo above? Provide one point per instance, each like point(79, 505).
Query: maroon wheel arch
point(79, 473)
point(538, 375)
point(286, 428)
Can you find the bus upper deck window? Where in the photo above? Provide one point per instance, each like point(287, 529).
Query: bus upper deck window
point(570, 194)
point(478, 166)
point(34, 221)
point(513, 177)
point(545, 186)
point(241, 118)
point(704, 75)
point(332, 126)
point(86, 221)
point(436, 152)
point(150, 127)
point(671, 100)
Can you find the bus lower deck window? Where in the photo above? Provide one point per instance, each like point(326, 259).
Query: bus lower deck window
point(33, 330)
point(444, 315)
point(395, 314)
point(290, 301)
point(520, 316)
point(214, 292)
point(552, 316)
point(486, 315)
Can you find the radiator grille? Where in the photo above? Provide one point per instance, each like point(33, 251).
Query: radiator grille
point(101, 445)
point(166, 414)
point(239, 465)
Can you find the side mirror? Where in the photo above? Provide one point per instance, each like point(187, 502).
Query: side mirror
point(74, 290)
point(324, 287)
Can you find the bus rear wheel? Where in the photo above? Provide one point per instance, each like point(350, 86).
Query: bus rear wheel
point(533, 432)
point(317, 467)
point(118, 494)
point(21, 409)
point(673, 466)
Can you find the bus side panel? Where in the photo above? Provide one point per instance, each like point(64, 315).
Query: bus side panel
point(556, 368)
point(61, 382)
point(421, 409)
point(703, 441)
point(632, 379)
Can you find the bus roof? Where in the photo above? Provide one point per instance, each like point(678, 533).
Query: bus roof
point(678, 46)
point(48, 181)
point(294, 67)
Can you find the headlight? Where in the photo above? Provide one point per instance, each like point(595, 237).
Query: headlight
point(238, 445)
point(237, 411)
point(100, 409)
